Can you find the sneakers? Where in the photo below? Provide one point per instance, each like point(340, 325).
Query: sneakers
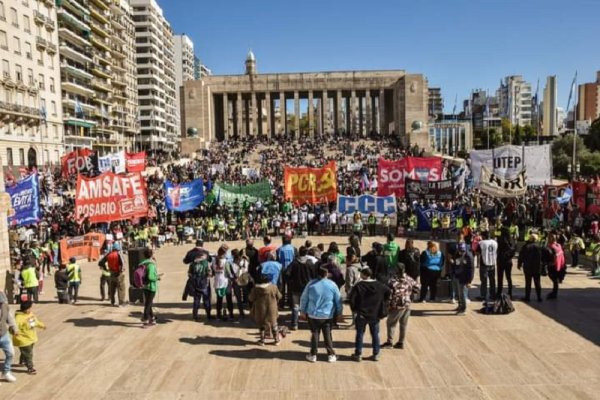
point(31, 371)
point(261, 342)
point(386, 345)
point(311, 358)
point(9, 377)
point(399, 345)
point(294, 327)
point(331, 358)
point(376, 357)
point(357, 357)
point(453, 301)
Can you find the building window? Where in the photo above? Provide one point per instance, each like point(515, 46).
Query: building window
point(55, 131)
point(26, 24)
point(51, 62)
point(17, 43)
point(3, 40)
point(56, 155)
point(5, 68)
point(2, 15)
point(14, 19)
point(30, 79)
point(28, 53)
point(46, 157)
point(9, 157)
point(41, 83)
point(53, 108)
point(52, 88)
point(40, 57)
point(21, 157)
point(43, 104)
point(19, 71)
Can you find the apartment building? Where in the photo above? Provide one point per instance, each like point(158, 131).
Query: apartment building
point(184, 68)
point(31, 132)
point(514, 96)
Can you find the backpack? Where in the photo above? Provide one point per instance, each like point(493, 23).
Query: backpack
point(503, 305)
point(140, 276)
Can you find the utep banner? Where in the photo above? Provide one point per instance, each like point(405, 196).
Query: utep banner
point(87, 247)
point(508, 161)
point(312, 185)
point(229, 194)
point(25, 201)
point(391, 175)
point(114, 162)
point(136, 162)
point(80, 161)
point(432, 190)
point(111, 197)
point(496, 186)
point(425, 216)
point(587, 197)
point(184, 197)
point(367, 204)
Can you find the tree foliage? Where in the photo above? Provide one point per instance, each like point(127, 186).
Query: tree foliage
point(592, 140)
point(562, 157)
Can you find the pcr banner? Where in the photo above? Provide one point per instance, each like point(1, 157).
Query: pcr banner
point(111, 197)
point(508, 161)
point(184, 197)
point(80, 161)
point(432, 190)
point(25, 202)
point(312, 185)
point(496, 186)
point(87, 246)
point(136, 162)
point(391, 175)
point(367, 204)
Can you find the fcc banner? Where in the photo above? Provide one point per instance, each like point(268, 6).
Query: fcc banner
point(111, 197)
point(508, 161)
point(425, 216)
point(367, 204)
point(184, 197)
point(312, 185)
point(496, 186)
point(391, 175)
point(25, 202)
point(432, 190)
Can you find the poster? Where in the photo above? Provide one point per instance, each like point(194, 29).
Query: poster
point(433, 190)
point(114, 162)
point(587, 196)
point(425, 216)
point(229, 194)
point(496, 186)
point(80, 161)
point(367, 204)
point(135, 162)
point(86, 247)
point(391, 175)
point(25, 202)
point(185, 196)
point(311, 185)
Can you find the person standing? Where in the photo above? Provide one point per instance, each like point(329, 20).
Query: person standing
point(321, 304)
point(150, 287)
point(61, 282)
point(74, 274)
point(488, 250)
point(506, 252)
point(300, 272)
point(285, 255)
point(26, 336)
point(198, 284)
point(530, 259)
point(556, 264)
point(221, 270)
point(576, 245)
point(390, 252)
point(409, 256)
point(367, 301)
point(402, 289)
point(432, 263)
point(264, 311)
point(114, 263)
point(461, 268)
point(7, 326)
point(29, 277)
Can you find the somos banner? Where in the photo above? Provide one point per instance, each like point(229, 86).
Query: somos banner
point(87, 246)
point(111, 197)
point(184, 197)
point(25, 201)
point(391, 175)
point(494, 185)
point(367, 204)
point(312, 185)
point(136, 162)
point(432, 190)
point(80, 161)
point(508, 161)
point(229, 194)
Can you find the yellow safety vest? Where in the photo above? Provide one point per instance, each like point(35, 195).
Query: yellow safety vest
point(30, 279)
point(435, 223)
point(459, 223)
point(73, 271)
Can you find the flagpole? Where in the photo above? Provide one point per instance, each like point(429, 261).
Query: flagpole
point(487, 102)
point(574, 127)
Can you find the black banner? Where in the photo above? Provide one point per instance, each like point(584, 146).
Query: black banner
point(432, 190)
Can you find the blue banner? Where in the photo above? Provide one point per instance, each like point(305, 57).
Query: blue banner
point(25, 202)
point(184, 197)
point(425, 215)
point(367, 204)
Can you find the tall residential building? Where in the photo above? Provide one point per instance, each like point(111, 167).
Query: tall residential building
point(31, 132)
point(514, 97)
point(549, 112)
point(184, 68)
point(159, 127)
point(588, 102)
point(436, 103)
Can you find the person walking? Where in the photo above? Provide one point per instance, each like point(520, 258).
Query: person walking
point(530, 260)
point(321, 304)
point(264, 298)
point(432, 263)
point(114, 264)
point(506, 252)
point(25, 336)
point(488, 252)
point(402, 289)
point(29, 279)
point(7, 326)
point(74, 274)
point(367, 301)
point(461, 268)
point(556, 264)
point(150, 287)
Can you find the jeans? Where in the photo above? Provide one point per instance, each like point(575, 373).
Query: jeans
point(574, 258)
point(502, 270)
point(536, 281)
point(361, 325)
point(148, 303)
point(429, 280)
point(487, 274)
point(295, 305)
point(462, 292)
point(104, 284)
point(393, 318)
point(26, 356)
point(116, 284)
point(9, 353)
point(204, 298)
point(73, 291)
point(32, 294)
point(316, 327)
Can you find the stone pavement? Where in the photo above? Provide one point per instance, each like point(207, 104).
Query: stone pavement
point(92, 351)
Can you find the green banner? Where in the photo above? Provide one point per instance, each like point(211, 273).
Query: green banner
point(228, 194)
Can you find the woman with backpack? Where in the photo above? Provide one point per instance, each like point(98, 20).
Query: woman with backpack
point(556, 264)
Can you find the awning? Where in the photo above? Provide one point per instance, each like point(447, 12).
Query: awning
point(76, 122)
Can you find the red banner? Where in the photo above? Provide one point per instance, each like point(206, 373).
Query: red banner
point(312, 185)
point(77, 162)
point(551, 192)
point(579, 195)
point(136, 162)
point(391, 175)
point(587, 196)
point(111, 197)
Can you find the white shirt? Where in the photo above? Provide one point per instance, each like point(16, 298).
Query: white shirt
point(489, 251)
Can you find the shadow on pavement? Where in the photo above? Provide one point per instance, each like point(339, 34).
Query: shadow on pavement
point(217, 341)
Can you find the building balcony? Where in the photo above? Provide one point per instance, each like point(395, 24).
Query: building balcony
point(38, 17)
point(50, 24)
point(51, 48)
point(98, 84)
point(70, 36)
point(19, 114)
point(99, 15)
point(119, 68)
point(76, 88)
point(120, 95)
point(118, 81)
point(101, 4)
point(103, 99)
point(74, 53)
point(117, 24)
point(70, 19)
point(101, 72)
point(102, 58)
point(100, 30)
point(75, 70)
point(74, 6)
point(100, 43)
point(41, 43)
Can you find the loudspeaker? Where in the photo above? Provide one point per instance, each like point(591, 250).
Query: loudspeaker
point(134, 257)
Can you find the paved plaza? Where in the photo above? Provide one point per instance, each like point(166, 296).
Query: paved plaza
point(90, 351)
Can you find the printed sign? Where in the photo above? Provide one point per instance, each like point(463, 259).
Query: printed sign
point(230, 194)
point(136, 162)
point(25, 202)
point(184, 197)
point(432, 190)
point(587, 196)
point(114, 162)
point(391, 175)
point(312, 185)
point(425, 216)
point(80, 161)
point(496, 186)
point(367, 204)
point(87, 247)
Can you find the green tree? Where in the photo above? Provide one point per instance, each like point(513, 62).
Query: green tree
point(517, 137)
point(562, 154)
point(506, 130)
point(529, 133)
point(592, 140)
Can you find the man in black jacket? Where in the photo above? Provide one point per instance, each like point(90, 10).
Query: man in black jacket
point(462, 271)
point(367, 301)
point(375, 260)
point(410, 257)
point(506, 252)
point(530, 259)
point(253, 262)
point(301, 271)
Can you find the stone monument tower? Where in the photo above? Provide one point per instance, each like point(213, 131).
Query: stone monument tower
point(251, 64)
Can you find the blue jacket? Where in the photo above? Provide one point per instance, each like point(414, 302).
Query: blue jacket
point(321, 299)
point(272, 269)
point(285, 255)
point(432, 261)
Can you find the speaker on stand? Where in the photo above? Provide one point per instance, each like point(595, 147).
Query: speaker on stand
point(134, 257)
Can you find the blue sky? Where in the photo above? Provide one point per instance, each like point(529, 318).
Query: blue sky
point(459, 45)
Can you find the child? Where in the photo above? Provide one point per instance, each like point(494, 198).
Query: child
point(26, 337)
point(264, 298)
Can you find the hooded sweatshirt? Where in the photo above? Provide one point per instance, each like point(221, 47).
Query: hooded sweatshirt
point(367, 299)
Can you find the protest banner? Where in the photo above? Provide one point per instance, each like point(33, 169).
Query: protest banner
point(79, 161)
point(367, 204)
point(508, 161)
point(251, 172)
point(587, 196)
point(553, 192)
point(111, 197)
point(496, 186)
point(229, 194)
point(432, 190)
point(82, 247)
point(136, 162)
point(425, 216)
point(25, 202)
point(185, 196)
point(114, 162)
point(312, 185)
point(352, 167)
point(391, 175)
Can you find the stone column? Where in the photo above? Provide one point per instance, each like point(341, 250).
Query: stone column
point(239, 115)
point(340, 113)
point(5, 204)
point(353, 110)
point(268, 104)
point(310, 111)
point(368, 112)
point(325, 113)
point(319, 118)
point(296, 113)
point(282, 113)
point(382, 122)
point(225, 117)
point(253, 117)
